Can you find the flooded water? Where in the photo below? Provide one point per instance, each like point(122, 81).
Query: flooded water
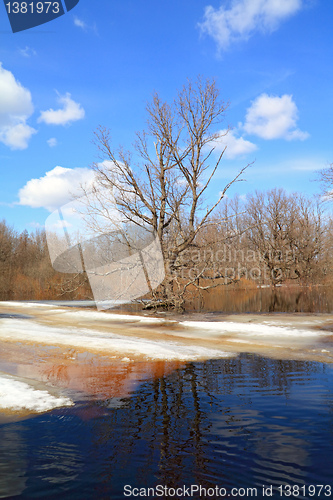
point(202, 406)
point(235, 423)
point(287, 299)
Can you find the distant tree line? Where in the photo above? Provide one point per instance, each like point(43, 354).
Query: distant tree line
point(26, 272)
point(268, 239)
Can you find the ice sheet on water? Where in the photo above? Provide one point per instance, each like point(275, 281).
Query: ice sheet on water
point(264, 328)
point(83, 313)
point(107, 316)
point(284, 331)
point(30, 331)
point(251, 329)
point(16, 395)
point(24, 304)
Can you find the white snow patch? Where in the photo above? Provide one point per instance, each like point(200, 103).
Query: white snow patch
point(19, 396)
point(25, 304)
point(251, 329)
point(264, 332)
point(88, 314)
point(106, 316)
point(30, 331)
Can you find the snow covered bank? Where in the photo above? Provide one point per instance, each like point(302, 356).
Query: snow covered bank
point(20, 396)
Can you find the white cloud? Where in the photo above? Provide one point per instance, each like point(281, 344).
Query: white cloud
point(307, 164)
point(55, 188)
point(81, 24)
point(245, 17)
point(27, 52)
point(301, 164)
point(17, 136)
point(52, 142)
point(71, 112)
point(84, 26)
point(15, 108)
point(236, 146)
point(273, 117)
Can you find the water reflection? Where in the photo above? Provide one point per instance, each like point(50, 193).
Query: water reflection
point(241, 422)
point(222, 422)
point(306, 299)
point(103, 378)
point(13, 462)
point(100, 377)
point(14, 315)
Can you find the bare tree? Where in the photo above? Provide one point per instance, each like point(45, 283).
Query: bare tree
point(288, 231)
point(273, 217)
point(8, 239)
point(162, 184)
point(326, 179)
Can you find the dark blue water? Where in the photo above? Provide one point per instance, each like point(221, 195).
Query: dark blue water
point(244, 423)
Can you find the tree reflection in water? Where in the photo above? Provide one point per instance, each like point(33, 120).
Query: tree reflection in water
point(287, 298)
point(241, 422)
point(245, 421)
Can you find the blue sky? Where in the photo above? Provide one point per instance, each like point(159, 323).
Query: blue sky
point(100, 63)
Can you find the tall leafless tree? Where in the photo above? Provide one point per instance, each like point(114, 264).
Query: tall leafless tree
point(162, 183)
